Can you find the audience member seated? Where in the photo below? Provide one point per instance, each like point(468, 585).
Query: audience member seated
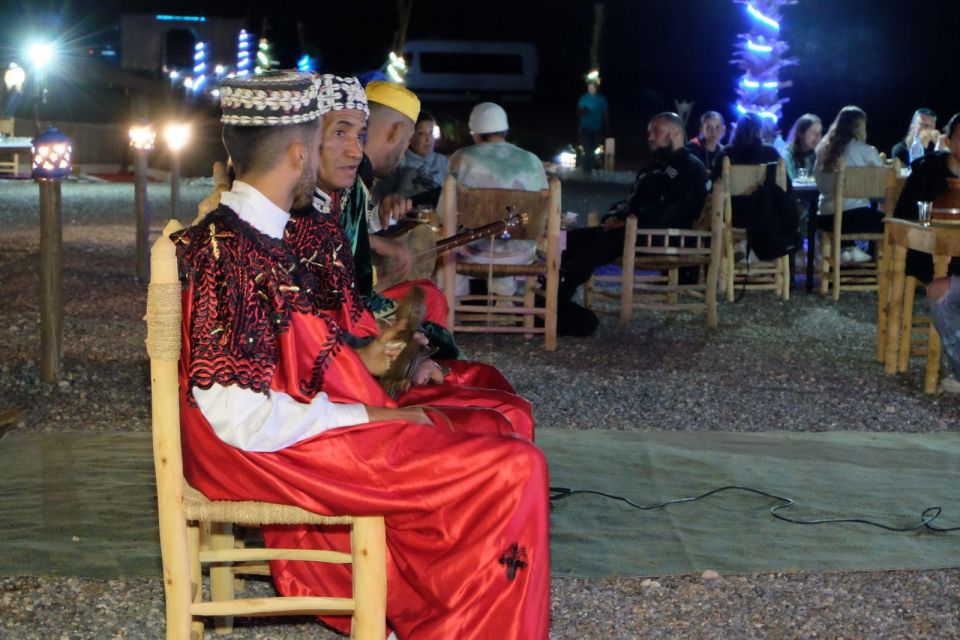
point(668, 193)
point(747, 147)
point(493, 163)
point(943, 295)
point(422, 170)
point(928, 179)
point(847, 139)
point(801, 152)
point(923, 124)
point(706, 146)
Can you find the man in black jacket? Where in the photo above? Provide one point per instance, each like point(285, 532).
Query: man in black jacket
point(668, 193)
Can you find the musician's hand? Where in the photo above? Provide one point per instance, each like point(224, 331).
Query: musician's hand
point(221, 183)
point(613, 222)
point(392, 208)
point(928, 137)
point(427, 372)
point(408, 414)
point(378, 355)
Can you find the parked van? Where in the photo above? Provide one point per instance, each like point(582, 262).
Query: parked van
point(464, 70)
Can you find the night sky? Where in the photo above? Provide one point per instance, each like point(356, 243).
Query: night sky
point(888, 58)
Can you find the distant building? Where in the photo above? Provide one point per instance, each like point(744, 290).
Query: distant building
point(160, 43)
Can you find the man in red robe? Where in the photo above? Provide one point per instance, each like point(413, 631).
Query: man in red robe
point(277, 406)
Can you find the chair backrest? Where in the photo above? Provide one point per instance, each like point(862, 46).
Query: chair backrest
point(863, 182)
point(6, 126)
point(477, 207)
point(743, 179)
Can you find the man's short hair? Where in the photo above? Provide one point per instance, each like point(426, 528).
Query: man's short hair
point(707, 115)
point(673, 119)
point(259, 149)
point(425, 116)
point(924, 111)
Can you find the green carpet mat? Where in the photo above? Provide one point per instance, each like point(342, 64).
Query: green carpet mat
point(83, 504)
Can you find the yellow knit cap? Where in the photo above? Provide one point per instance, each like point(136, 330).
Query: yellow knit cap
point(396, 96)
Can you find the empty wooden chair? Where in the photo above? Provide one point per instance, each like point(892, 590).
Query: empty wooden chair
point(873, 183)
point(492, 313)
point(743, 180)
point(196, 531)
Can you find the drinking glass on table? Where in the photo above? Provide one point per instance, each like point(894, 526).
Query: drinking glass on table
point(924, 212)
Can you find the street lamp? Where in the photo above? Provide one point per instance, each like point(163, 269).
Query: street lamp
point(177, 135)
point(52, 155)
point(40, 54)
point(142, 139)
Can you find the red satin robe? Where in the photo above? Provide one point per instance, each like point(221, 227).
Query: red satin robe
point(465, 501)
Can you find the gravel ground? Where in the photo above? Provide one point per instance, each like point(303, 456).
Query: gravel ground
point(805, 365)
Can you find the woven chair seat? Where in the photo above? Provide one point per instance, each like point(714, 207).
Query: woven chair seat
point(671, 262)
point(249, 512)
point(500, 270)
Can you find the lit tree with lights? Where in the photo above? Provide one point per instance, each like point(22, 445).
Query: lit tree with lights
point(762, 55)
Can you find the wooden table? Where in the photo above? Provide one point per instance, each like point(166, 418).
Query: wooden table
point(895, 311)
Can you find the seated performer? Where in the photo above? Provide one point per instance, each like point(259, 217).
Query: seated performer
point(340, 187)
point(278, 407)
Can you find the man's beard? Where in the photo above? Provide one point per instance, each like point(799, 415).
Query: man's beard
point(662, 153)
point(303, 190)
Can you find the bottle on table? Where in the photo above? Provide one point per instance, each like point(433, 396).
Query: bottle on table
point(916, 150)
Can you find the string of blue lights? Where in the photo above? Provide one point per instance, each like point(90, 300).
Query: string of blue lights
point(762, 55)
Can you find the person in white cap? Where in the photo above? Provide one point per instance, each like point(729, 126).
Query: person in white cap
point(493, 163)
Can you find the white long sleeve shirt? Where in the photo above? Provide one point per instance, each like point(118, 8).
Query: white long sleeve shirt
point(267, 422)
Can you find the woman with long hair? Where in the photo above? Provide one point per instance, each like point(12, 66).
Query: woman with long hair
point(847, 139)
point(802, 141)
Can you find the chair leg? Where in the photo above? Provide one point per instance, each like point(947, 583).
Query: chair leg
point(588, 293)
point(196, 584)
point(883, 295)
point(836, 267)
point(730, 277)
point(826, 244)
point(369, 551)
point(673, 284)
point(906, 323)
point(628, 274)
point(529, 300)
point(221, 575)
point(785, 270)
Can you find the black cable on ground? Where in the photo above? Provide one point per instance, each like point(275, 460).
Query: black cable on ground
point(927, 516)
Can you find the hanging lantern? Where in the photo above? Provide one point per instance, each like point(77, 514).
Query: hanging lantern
point(52, 155)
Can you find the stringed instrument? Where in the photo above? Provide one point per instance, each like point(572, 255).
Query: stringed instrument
point(425, 248)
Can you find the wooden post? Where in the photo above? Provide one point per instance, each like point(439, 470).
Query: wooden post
point(175, 186)
point(143, 216)
point(51, 278)
point(609, 154)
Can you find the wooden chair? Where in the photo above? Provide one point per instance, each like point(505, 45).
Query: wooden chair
point(493, 313)
point(9, 166)
point(194, 530)
point(874, 183)
point(651, 263)
point(743, 180)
